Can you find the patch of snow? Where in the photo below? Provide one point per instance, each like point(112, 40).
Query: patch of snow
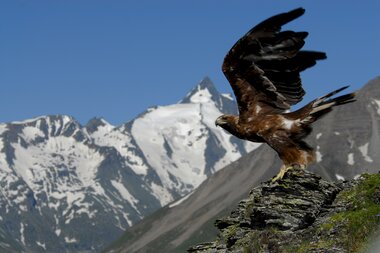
point(86, 162)
point(70, 240)
point(120, 139)
point(22, 235)
point(20, 201)
point(124, 193)
point(356, 177)
point(177, 126)
point(3, 127)
point(53, 204)
point(336, 133)
point(77, 199)
point(29, 162)
point(3, 160)
point(42, 245)
point(72, 197)
point(28, 120)
point(339, 177)
point(162, 194)
point(350, 159)
point(103, 130)
point(318, 135)
point(57, 195)
point(318, 154)
point(228, 96)
point(176, 203)
point(364, 150)
point(31, 133)
point(106, 123)
point(201, 96)
point(377, 102)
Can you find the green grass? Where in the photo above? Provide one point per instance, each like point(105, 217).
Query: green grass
point(354, 226)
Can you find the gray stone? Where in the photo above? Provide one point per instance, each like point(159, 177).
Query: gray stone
point(283, 216)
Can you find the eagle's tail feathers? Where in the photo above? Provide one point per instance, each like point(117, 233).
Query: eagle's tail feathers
point(322, 99)
point(344, 99)
point(324, 103)
point(322, 107)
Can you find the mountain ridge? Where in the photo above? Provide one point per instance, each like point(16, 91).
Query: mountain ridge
point(81, 186)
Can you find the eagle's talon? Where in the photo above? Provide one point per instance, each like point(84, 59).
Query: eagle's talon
point(284, 169)
point(298, 166)
point(282, 173)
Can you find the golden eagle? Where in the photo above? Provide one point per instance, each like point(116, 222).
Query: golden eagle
point(263, 68)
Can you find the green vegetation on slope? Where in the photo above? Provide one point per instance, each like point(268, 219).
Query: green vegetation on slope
point(355, 225)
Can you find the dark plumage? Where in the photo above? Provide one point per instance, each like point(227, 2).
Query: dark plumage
point(263, 68)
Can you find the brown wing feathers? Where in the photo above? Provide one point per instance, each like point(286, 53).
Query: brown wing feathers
point(284, 74)
point(274, 23)
point(263, 68)
point(270, 61)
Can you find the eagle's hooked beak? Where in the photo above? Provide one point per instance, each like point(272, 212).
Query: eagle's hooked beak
point(220, 121)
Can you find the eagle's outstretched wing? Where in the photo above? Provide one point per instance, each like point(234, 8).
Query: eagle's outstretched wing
point(264, 66)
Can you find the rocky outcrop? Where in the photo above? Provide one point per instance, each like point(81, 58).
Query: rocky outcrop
point(301, 213)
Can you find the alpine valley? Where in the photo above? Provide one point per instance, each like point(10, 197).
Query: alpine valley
point(72, 188)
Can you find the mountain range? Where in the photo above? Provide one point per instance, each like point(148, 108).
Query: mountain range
point(346, 142)
point(72, 188)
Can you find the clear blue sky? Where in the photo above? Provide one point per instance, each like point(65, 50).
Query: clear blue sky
point(113, 59)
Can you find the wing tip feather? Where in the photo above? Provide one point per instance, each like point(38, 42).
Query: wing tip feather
point(277, 21)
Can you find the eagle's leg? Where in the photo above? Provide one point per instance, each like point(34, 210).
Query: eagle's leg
point(285, 169)
point(281, 174)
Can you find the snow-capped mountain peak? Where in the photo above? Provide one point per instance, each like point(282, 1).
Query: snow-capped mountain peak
point(204, 92)
point(79, 186)
point(95, 123)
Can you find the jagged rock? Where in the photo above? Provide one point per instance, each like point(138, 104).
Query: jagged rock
point(301, 213)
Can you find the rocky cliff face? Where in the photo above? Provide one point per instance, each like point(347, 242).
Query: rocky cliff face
point(301, 213)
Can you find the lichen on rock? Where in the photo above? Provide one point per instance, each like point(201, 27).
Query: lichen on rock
point(301, 213)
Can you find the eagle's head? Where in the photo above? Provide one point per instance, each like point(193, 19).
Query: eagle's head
point(228, 122)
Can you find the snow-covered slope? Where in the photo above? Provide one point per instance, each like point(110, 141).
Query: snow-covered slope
point(69, 188)
point(183, 141)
